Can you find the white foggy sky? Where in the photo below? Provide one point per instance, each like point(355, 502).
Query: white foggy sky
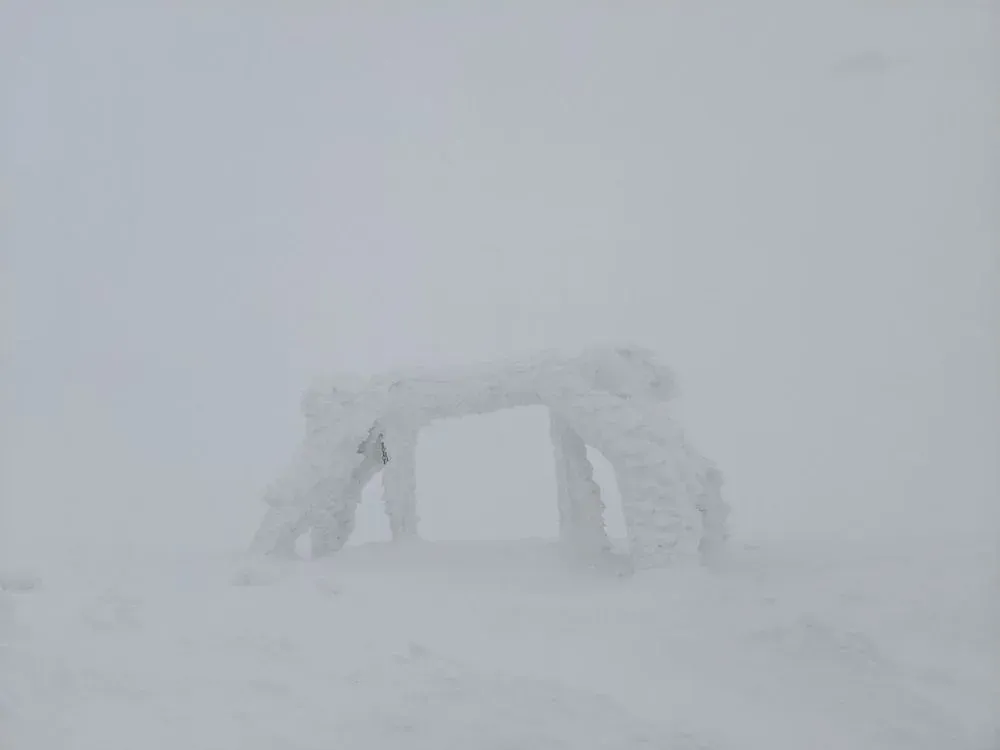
point(793, 203)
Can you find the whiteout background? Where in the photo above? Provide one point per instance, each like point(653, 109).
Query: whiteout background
point(205, 204)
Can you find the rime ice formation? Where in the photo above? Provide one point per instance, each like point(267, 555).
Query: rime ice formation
point(614, 399)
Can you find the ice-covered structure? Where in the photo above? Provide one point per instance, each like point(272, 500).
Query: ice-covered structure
point(614, 399)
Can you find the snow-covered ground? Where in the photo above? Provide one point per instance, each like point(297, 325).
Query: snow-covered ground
point(506, 645)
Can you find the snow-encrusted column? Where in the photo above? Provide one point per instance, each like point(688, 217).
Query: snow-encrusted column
point(277, 532)
point(317, 474)
point(333, 521)
point(714, 512)
point(655, 476)
point(581, 510)
point(306, 506)
point(332, 528)
point(320, 490)
point(399, 481)
point(659, 491)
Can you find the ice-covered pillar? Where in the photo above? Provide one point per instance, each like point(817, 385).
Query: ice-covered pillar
point(714, 513)
point(332, 528)
point(332, 522)
point(658, 484)
point(399, 482)
point(581, 510)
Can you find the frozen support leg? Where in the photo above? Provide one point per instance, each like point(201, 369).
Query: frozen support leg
point(658, 484)
point(332, 521)
point(399, 483)
point(331, 529)
point(581, 511)
point(278, 532)
point(658, 500)
point(714, 515)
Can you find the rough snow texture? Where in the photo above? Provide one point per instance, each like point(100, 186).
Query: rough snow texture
point(613, 399)
point(793, 645)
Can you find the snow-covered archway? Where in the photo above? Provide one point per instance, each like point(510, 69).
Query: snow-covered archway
point(614, 399)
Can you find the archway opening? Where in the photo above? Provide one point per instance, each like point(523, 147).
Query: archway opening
point(488, 477)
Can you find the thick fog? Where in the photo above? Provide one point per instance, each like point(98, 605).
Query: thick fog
point(205, 205)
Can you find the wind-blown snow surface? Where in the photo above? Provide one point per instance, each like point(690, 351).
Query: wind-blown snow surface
point(502, 645)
